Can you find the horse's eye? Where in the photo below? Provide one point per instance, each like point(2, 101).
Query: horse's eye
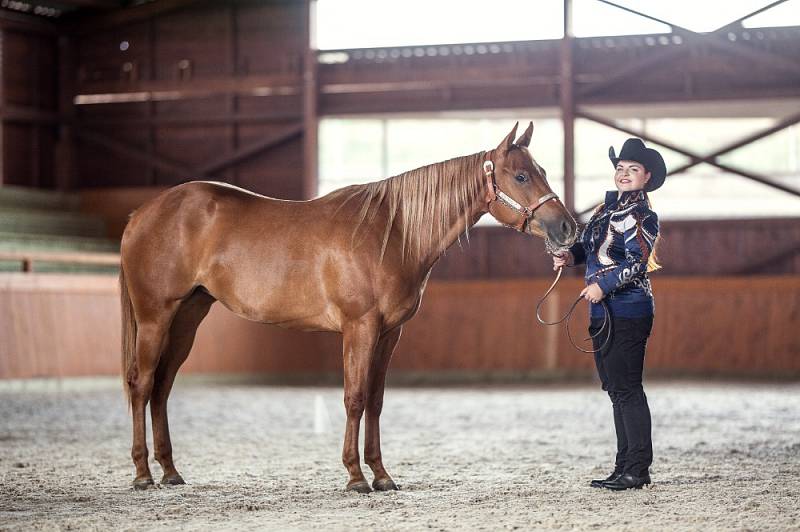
point(521, 178)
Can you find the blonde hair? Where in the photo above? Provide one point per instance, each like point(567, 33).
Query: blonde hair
point(652, 259)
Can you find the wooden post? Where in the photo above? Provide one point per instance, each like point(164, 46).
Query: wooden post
point(310, 106)
point(568, 109)
point(152, 106)
point(233, 97)
point(2, 115)
point(65, 145)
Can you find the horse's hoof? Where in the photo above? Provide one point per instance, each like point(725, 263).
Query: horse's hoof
point(359, 486)
point(172, 480)
point(384, 484)
point(143, 483)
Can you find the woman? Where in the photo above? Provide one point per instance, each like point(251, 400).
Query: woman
point(617, 246)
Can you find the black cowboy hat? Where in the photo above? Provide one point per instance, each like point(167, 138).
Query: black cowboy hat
point(635, 150)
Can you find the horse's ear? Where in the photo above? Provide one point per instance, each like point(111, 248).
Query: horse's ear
point(525, 139)
point(506, 144)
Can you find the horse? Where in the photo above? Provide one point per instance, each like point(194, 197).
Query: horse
point(355, 261)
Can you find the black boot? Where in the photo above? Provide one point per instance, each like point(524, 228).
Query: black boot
point(626, 482)
point(598, 482)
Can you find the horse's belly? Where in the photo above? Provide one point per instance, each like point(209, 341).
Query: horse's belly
point(279, 295)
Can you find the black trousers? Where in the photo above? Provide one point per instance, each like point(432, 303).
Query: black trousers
point(620, 365)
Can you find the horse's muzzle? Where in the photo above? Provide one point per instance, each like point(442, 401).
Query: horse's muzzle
point(562, 233)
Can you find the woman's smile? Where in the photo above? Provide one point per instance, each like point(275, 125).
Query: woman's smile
point(630, 175)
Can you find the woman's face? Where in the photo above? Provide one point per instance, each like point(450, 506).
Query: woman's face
point(630, 175)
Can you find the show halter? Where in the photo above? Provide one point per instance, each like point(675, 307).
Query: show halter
point(495, 194)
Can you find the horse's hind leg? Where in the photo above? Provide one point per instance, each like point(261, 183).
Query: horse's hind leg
point(151, 336)
point(372, 436)
point(181, 337)
point(359, 340)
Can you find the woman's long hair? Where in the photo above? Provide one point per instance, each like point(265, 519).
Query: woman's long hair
point(652, 259)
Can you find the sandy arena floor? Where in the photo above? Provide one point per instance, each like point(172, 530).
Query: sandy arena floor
point(727, 458)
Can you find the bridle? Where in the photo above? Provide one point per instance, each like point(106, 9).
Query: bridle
point(495, 194)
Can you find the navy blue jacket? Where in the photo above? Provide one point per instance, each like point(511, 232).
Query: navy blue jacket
point(615, 245)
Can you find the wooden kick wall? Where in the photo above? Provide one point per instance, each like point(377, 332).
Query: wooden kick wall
point(56, 326)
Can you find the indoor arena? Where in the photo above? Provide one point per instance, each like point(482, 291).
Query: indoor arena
point(381, 265)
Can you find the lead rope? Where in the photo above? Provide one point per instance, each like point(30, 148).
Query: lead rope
point(568, 316)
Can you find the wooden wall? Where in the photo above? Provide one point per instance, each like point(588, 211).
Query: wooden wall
point(55, 326)
point(191, 93)
point(28, 101)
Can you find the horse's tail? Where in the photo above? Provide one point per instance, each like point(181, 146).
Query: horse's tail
point(128, 335)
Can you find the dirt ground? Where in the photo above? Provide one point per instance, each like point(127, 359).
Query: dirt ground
point(258, 457)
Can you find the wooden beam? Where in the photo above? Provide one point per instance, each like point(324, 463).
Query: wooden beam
point(194, 120)
point(65, 167)
point(720, 42)
point(28, 23)
point(180, 169)
point(311, 91)
point(248, 151)
point(645, 15)
point(692, 155)
point(130, 15)
point(659, 57)
point(783, 124)
point(757, 55)
point(27, 115)
point(3, 77)
point(567, 102)
point(135, 153)
point(281, 84)
point(152, 134)
point(759, 178)
point(736, 23)
point(92, 4)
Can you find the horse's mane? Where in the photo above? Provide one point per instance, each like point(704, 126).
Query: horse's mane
point(423, 201)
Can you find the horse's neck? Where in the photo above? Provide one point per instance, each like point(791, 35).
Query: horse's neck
point(458, 221)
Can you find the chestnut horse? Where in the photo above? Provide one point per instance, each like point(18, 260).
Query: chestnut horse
point(354, 261)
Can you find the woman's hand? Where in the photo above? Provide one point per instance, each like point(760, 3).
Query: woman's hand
point(593, 293)
point(563, 258)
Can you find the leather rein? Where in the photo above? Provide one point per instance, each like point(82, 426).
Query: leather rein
point(568, 317)
point(495, 194)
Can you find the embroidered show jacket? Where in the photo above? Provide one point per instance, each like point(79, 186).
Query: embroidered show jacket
point(615, 245)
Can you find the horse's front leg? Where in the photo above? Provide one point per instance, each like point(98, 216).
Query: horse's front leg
point(359, 341)
point(372, 436)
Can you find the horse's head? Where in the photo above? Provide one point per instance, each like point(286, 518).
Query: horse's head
point(519, 178)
